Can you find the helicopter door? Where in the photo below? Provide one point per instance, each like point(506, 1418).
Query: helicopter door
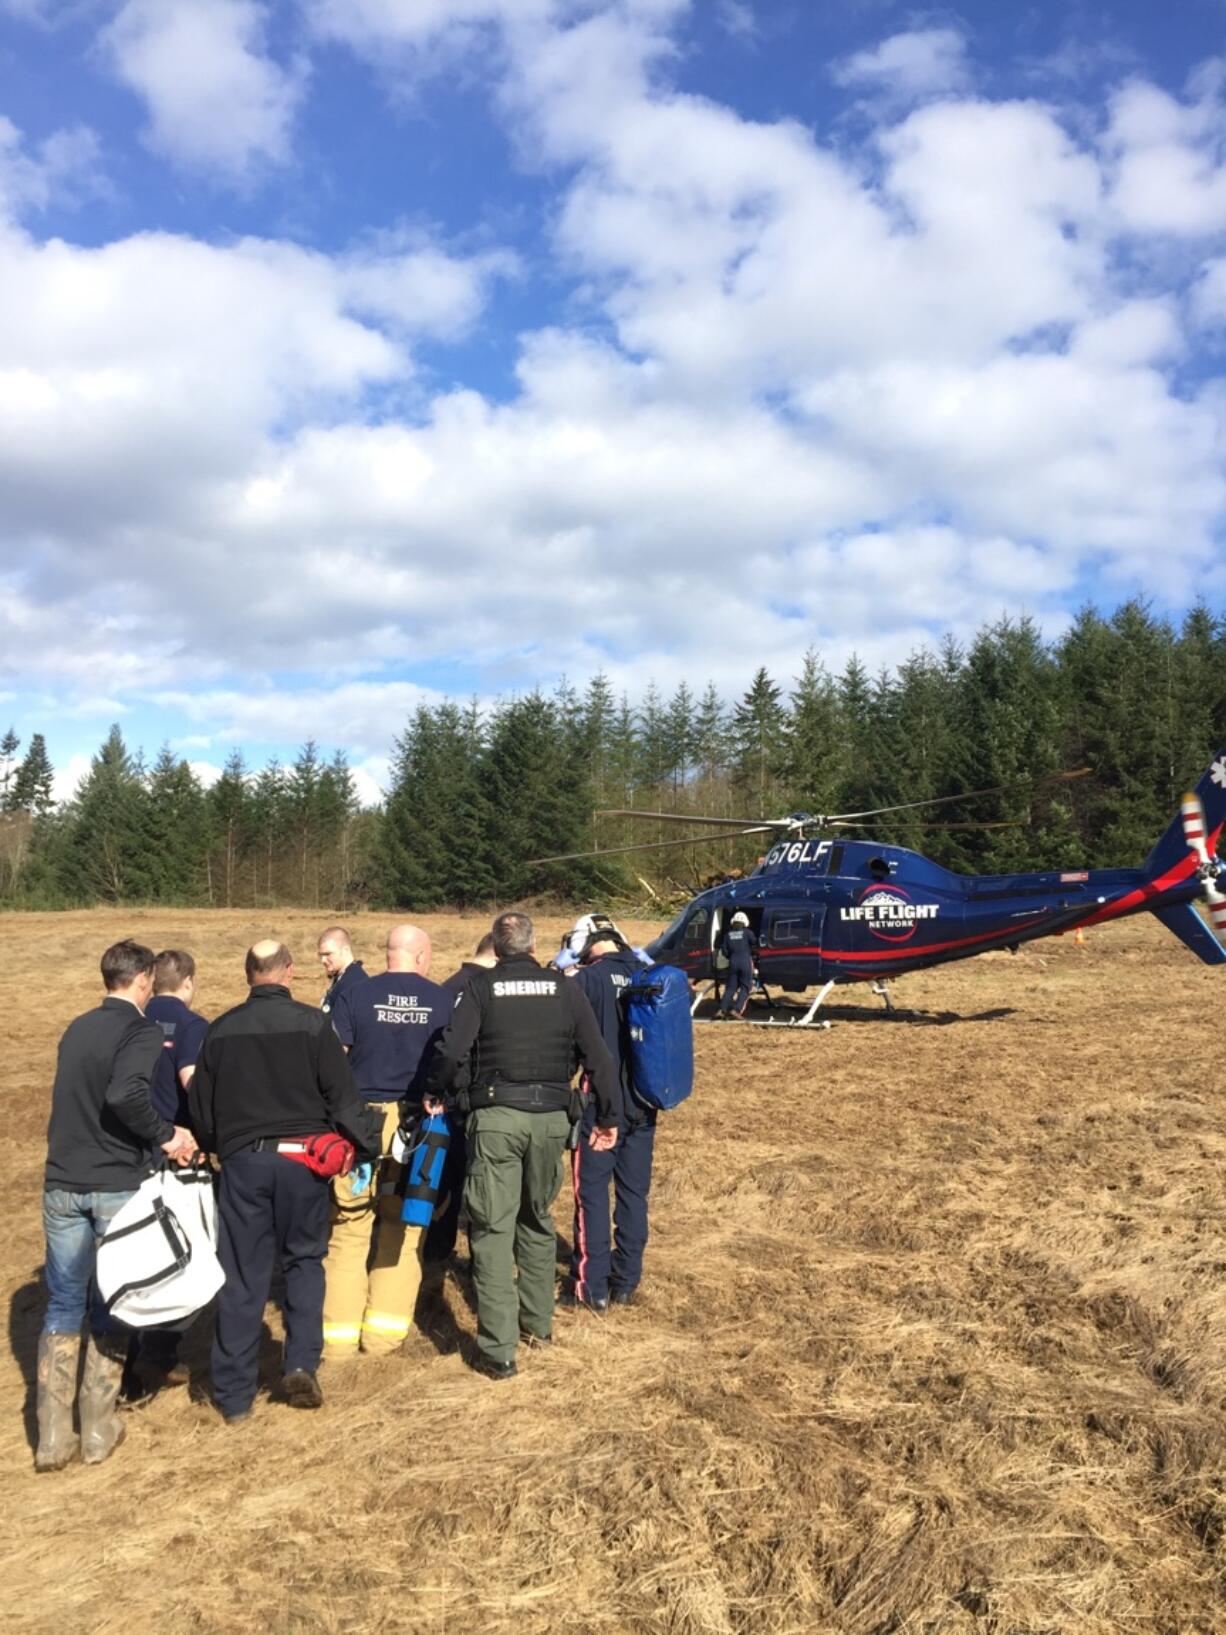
point(719, 960)
point(790, 948)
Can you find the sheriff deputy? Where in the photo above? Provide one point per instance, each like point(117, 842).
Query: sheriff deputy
point(524, 1029)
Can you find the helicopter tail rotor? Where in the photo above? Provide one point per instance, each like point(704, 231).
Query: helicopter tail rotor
point(1208, 866)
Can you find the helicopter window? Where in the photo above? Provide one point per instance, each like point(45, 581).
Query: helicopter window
point(835, 861)
point(696, 930)
point(790, 927)
point(669, 934)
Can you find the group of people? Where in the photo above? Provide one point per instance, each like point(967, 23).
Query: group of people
point(273, 1088)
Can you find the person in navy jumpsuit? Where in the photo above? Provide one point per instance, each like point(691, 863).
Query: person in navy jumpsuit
point(606, 1271)
point(738, 945)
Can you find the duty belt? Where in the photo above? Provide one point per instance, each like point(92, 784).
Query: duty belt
point(522, 1098)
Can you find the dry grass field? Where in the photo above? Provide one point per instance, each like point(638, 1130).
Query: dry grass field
point(933, 1341)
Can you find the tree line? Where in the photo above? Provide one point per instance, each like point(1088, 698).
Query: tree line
point(477, 796)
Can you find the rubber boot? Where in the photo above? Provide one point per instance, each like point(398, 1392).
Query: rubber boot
point(101, 1431)
point(58, 1443)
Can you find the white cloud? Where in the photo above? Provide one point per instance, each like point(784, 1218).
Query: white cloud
point(207, 772)
point(66, 778)
point(1209, 293)
point(919, 63)
point(856, 398)
point(1168, 157)
point(216, 100)
point(738, 18)
point(63, 169)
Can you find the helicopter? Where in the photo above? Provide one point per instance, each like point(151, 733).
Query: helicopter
point(828, 910)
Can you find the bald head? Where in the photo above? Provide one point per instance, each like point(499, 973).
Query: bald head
point(335, 951)
point(408, 949)
point(269, 961)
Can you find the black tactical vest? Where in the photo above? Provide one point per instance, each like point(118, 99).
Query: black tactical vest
point(527, 1029)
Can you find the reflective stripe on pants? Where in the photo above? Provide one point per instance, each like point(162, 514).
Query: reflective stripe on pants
point(372, 1310)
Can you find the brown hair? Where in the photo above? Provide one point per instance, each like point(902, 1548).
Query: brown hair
point(123, 962)
point(172, 969)
point(486, 945)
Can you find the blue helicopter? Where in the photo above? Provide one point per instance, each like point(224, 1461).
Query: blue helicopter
point(826, 911)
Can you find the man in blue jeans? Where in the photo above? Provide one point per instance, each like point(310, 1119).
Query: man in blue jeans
point(102, 1141)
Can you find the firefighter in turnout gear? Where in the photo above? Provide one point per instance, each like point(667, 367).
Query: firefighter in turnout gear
point(525, 1029)
point(387, 1024)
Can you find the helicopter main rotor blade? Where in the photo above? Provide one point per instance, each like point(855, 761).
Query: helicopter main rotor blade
point(970, 794)
point(1004, 823)
point(743, 824)
point(644, 846)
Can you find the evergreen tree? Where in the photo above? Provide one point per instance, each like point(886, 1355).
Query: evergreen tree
point(302, 793)
point(411, 858)
point(653, 768)
point(710, 751)
point(758, 743)
point(599, 715)
point(336, 804)
point(34, 781)
point(860, 779)
point(1009, 732)
point(813, 751)
point(176, 831)
point(539, 801)
point(1116, 682)
point(9, 746)
point(679, 737)
point(104, 856)
point(229, 814)
point(269, 808)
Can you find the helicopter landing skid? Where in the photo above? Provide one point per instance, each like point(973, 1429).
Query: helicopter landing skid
point(805, 1021)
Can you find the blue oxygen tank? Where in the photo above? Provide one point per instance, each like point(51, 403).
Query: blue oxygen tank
point(424, 1170)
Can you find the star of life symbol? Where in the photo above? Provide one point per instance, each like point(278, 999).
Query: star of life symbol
point(1218, 772)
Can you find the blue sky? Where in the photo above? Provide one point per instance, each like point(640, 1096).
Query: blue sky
point(358, 352)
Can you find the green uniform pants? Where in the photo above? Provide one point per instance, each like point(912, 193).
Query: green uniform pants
point(514, 1174)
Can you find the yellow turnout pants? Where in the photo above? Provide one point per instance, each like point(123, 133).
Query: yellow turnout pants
point(370, 1310)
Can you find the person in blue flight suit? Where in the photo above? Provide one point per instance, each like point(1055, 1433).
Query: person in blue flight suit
point(341, 969)
point(738, 946)
point(604, 1272)
point(388, 1024)
point(153, 1356)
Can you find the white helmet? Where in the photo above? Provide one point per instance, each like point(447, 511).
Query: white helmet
point(740, 918)
point(587, 929)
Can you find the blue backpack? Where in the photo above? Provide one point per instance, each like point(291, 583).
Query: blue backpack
point(661, 1036)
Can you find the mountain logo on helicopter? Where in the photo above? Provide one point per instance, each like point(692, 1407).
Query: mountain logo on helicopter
point(889, 913)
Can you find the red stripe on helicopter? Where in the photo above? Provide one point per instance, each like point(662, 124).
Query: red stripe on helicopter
point(1174, 876)
point(911, 951)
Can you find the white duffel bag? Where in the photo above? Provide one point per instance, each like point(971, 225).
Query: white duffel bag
point(158, 1261)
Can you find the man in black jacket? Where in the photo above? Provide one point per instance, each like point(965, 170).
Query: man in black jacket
point(525, 1029)
point(102, 1141)
point(272, 1072)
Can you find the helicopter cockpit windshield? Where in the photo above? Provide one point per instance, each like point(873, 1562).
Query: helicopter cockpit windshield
point(688, 934)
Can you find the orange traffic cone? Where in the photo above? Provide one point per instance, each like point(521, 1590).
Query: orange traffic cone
point(1079, 937)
